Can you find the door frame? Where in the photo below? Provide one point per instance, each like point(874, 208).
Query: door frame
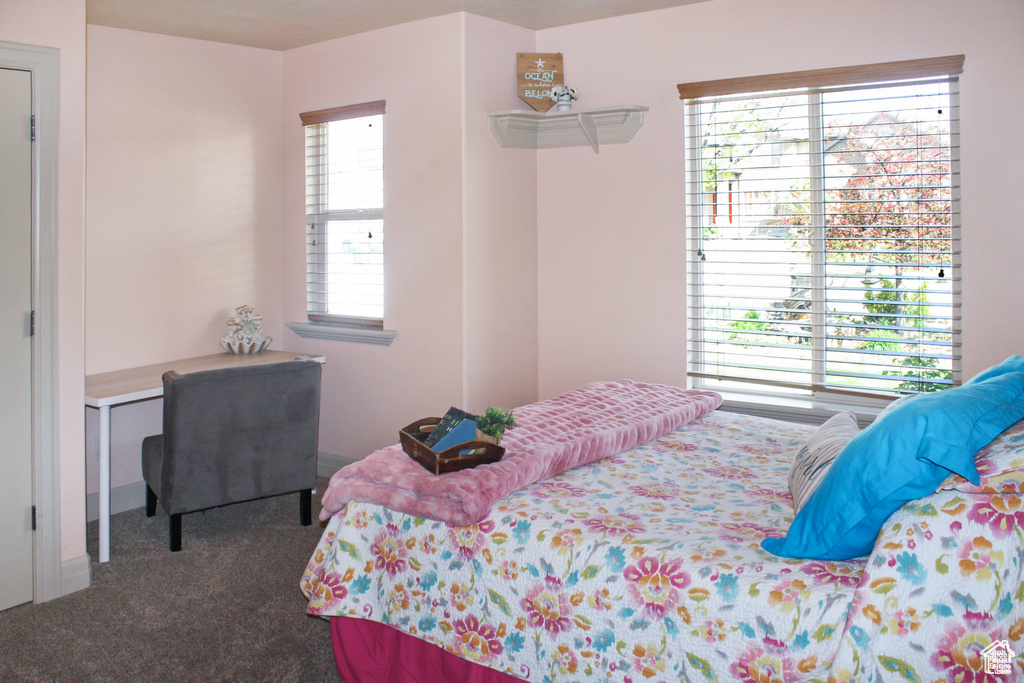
point(44, 63)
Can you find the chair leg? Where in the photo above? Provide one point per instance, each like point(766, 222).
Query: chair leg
point(175, 533)
point(306, 507)
point(150, 502)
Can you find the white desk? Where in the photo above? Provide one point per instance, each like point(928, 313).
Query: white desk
point(109, 389)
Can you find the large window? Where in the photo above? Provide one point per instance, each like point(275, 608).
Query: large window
point(823, 230)
point(345, 214)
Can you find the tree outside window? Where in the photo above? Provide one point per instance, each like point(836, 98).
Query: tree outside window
point(837, 272)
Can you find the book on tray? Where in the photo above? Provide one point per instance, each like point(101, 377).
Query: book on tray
point(457, 426)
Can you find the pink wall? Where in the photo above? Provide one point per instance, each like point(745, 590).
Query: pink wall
point(611, 266)
point(371, 391)
point(184, 210)
point(500, 200)
point(184, 207)
point(440, 242)
point(461, 228)
point(61, 24)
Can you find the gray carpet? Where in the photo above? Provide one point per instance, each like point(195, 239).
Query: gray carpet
point(225, 608)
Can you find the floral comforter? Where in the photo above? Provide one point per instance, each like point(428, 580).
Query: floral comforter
point(647, 567)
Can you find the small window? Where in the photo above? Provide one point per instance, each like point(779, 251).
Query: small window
point(345, 215)
point(839, 270)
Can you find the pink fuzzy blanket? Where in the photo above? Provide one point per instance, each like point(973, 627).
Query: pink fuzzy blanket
point(580, 426)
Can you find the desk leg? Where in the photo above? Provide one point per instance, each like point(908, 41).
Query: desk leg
point(104, 493)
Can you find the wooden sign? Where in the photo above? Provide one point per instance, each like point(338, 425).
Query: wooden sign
point(538, 73)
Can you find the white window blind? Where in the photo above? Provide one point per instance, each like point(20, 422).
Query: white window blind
point(823, 231)
point(345, 214)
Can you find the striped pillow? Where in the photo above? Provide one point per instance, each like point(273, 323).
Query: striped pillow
point(817, 454)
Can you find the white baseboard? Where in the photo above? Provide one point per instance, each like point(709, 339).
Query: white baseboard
point(75, 574)
point(327, 464)
point(131, 496)
point(122, 499)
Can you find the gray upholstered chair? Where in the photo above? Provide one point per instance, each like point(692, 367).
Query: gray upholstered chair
point(233, 435)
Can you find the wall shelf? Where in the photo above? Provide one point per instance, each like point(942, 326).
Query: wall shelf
point(544, 130)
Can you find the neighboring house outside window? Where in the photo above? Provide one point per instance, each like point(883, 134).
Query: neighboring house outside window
point(345, 215)
point(837, 269)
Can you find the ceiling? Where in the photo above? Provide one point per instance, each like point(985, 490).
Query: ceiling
point(286, 24)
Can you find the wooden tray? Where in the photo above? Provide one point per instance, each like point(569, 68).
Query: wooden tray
point(468, 454)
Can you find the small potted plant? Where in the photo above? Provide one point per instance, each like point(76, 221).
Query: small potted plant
point(492, 424)
point(562, 96)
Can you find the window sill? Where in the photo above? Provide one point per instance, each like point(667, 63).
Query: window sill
point(342, 333)
point(806, 410)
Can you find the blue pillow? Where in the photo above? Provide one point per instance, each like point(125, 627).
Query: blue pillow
point(905, 454)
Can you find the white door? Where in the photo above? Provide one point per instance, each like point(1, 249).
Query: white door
point(15, 337)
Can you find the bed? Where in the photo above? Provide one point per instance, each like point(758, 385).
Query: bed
point(647, 565)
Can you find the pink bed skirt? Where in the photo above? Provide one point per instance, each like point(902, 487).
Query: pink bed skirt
point(370, 652)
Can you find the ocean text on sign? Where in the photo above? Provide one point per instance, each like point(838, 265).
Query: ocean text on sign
point(546, 76)
point(538, 73)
